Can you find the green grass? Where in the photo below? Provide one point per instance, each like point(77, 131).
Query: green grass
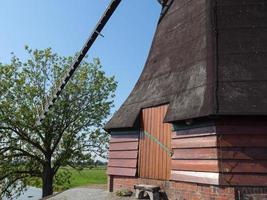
point(85, 177)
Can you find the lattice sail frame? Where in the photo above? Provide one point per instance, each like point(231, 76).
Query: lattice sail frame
point(56, 90)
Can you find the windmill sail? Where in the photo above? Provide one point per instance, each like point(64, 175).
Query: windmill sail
point(63, 80)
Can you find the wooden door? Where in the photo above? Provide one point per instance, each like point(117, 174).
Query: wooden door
point(154, 161)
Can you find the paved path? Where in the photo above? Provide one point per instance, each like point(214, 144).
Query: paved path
point(87, 194)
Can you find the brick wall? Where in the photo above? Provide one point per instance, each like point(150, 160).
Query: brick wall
point(178, 190)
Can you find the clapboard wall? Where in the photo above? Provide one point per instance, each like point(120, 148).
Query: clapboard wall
point(123, 153)
point(242, 150)
point(195, 156)
point(232, 151)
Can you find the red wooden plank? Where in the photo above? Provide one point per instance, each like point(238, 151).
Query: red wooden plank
point(123, 154)
point(124, 138)
point(242, 121)
point(195, 132)
point(129, 163)
point(196, 165)
point(123, 146)
point(241, 129)
point(242, 141)
point(195, 177)
point(121, 171)
point(248, 153)
point(177, 136)
point(198, 142)
point(244, 179)
point(244, 166)
point(202, 153)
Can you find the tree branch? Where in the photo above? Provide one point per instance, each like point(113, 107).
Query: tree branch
point(25, 138)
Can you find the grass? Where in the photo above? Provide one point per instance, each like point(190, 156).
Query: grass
point(85, 177)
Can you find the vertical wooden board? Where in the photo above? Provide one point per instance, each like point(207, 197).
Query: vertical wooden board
point(169, 132)
point(141, 156)
point(165, 159)
point(149, 145)
point(153, 132)
point(157, 132)
point(161, 154)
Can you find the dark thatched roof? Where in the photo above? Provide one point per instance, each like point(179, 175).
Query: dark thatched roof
point(201, 66)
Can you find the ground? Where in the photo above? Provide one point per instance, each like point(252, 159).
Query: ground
point(88, 184)
point(88, 193)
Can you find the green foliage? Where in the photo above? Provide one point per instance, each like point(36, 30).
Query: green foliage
point(62, 180)
point(124, 193)
point(71, 133)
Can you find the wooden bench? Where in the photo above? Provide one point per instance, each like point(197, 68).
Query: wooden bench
point(151, 190)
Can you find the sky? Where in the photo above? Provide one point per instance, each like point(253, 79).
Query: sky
point(64, 25)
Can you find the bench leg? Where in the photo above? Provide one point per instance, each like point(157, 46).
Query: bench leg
point(139, 194)
point(153, 195)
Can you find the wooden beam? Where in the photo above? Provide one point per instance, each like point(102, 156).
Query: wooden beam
point(195, 177)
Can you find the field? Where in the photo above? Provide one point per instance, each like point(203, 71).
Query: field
point(86, 177)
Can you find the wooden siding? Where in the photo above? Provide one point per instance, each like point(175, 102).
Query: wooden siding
point(242, 150)
point(195, 156)
point(154, 162)
point(232, 152)
point(123, 153)
point(196, 177)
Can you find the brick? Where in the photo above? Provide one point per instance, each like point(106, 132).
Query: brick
point(188, 191)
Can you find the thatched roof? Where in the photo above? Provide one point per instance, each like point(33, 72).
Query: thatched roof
point(200, 74)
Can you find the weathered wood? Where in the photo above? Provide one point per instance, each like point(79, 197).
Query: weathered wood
point(243, 166)
point(123, 154)
point(242, 129)
point(124, 138)
point(198, 153)
point(244, 179)
point(196, 165)
point(194, 132)
point(247, 153)
point(123, 146)
point(242, 141)
point(129, 163)
point(154, 162)
point(121, 171)
point(195, 142)
point(195, 177)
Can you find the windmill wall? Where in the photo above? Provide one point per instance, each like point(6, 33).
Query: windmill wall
point(208, 64)
point(225, 160)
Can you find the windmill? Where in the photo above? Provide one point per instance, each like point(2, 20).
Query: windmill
point(60, 84)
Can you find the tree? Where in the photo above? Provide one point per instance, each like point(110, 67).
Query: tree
point(71, 133)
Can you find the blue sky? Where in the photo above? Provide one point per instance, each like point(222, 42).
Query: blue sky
point(64, 25)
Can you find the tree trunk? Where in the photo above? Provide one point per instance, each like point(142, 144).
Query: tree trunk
point(47, 178)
